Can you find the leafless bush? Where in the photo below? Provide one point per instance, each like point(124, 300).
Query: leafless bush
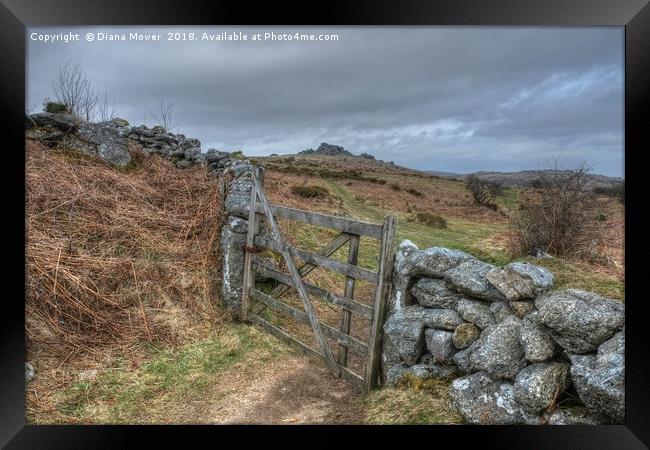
point(107, 109)
point(482, 191)
point(165, 116)
point(616, 191)
point(72, 87)
point(560, 217)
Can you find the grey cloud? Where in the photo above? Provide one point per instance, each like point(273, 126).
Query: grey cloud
point(439, 98)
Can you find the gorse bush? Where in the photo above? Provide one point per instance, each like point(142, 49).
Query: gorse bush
point(310, 191)
point(415, 192)
point(56, 107)
point(430, 219)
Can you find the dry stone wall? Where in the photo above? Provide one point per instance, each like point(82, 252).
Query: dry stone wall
point(513, 346)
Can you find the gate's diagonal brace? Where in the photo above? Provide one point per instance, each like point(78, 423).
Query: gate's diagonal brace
point(338, 242)
point(295, 275)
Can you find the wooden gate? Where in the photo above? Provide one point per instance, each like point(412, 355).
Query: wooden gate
point(350, 232)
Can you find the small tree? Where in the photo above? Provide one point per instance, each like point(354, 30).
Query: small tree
point(165, 116)
point(482, 191)
point(560, 217)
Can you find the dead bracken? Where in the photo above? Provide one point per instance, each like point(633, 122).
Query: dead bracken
point(107, 249)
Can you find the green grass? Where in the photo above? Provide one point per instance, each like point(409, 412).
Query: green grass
point(414, 403)
point(459, 234)
point(508, 200)
point(118, 393)
point(580, 276)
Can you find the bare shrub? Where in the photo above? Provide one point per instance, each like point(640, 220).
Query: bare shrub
point(560, 217)
point(72, 87)
point(165, 116)
point(616, 191)
point(107, 108)
point(483, 192)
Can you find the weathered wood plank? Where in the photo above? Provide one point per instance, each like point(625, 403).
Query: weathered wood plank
point(300, 288)
point(386, 258)
point(362, 310)
point(303, 270)
point(346, 269)
point(277, 305)
point(303, 348)
point(249, 277)
point(346, 314)
point(338, 242)
point(351, 226)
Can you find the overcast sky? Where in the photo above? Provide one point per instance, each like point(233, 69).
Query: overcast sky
point(458, 99)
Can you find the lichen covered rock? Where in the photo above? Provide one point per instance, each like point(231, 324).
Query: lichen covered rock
point(405, 329)
point(501, 311)
point(499, 351)
point(439, 343)
point(538, 385)
point(482, 400)
point(468, 277)
point(538, 345)
point(600, 379)
point(432, 262)
point(464, 335)
point(434, 293)
point(578, 320)
point(520, 280)
point(476, 312)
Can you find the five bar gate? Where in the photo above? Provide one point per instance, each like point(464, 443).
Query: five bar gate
point(350, 231)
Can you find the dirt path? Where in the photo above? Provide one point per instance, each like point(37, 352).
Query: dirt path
point(287, 390)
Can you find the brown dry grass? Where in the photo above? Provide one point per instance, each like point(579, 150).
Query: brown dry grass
point(446, 197)
point(117, 257)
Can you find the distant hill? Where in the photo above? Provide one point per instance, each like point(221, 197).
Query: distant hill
point(523, 178)
point(442, 173)
point(325, 149)
point(528, 177)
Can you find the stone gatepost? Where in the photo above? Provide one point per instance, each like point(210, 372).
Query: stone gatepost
point(233, 233)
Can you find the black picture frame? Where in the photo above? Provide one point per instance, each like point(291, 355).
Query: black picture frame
point(15, 15)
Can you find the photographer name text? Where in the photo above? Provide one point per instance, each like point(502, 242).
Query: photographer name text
point(48, 38)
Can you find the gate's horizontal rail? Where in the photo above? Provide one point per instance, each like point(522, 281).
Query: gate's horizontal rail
point(322, 261)
point(303, 348)
point(300, 316)
point(351, 226)
point(338, 242)
point(362, 310)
